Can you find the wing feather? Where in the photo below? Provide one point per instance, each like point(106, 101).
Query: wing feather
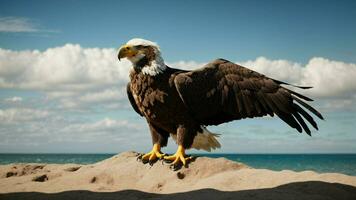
point(306, 116)
point(132, 100)
point(307, 106)
point(301, 122)
point(223, 91)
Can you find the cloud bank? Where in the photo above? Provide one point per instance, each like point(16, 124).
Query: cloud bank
point(20, 115)
point(81, 96)
point(329, 78)
point(63, 71)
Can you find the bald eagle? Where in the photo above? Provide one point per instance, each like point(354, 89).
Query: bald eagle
point(181, 103)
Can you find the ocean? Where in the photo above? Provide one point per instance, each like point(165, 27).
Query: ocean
point(338, 163)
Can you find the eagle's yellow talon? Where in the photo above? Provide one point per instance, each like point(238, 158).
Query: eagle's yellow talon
point(178, 157)
point(153, 154)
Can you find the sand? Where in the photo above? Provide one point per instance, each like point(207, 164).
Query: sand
point(123, 177)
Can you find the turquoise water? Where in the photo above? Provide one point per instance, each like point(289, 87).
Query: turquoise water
point(339, 163)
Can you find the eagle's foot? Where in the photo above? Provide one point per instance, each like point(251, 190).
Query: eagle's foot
point(152, 156)
point(179, 159)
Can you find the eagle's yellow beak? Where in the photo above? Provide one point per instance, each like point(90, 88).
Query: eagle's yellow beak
point(127, 51)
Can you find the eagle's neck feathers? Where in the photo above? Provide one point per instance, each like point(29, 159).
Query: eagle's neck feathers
point(155, 67)
point(151, 67)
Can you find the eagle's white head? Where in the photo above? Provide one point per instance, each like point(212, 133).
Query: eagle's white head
point(144, 55)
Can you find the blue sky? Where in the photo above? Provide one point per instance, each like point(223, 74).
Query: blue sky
point(62, 89)
point(198, 30)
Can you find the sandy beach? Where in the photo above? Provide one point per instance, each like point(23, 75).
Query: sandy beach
point(122, 176)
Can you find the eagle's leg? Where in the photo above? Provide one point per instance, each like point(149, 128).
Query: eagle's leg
point(179, 157)
point(159, 139)
point(185, 137)
point(153, 154)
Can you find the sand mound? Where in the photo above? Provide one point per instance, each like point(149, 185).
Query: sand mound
point(124, 173)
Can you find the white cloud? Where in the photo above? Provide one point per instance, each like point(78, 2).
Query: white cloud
point(21, 25)
point(63, 71)
point(330, 79)
point(69, 67)
point(18, 115)
point(70, 73)
point(77, 77)
point(277, 69)
point(186, 65)
point(104, 125)
point(70, 78)
point(53, 133)
point(14, 99)
point(17, 24)
point(327, 77)
point(102, 96)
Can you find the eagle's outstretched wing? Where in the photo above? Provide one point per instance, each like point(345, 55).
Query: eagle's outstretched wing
point(132, 100)
point(223, 91)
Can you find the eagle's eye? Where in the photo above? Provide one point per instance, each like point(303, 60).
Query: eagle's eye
point(127, 48)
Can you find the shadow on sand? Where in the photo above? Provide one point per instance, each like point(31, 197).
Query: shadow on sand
point(310, 190)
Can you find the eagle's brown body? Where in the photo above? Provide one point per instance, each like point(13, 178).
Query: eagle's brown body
point(181, 103)
point(157, 99)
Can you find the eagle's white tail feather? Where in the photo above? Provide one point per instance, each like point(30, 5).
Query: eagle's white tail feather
point(204, 140)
